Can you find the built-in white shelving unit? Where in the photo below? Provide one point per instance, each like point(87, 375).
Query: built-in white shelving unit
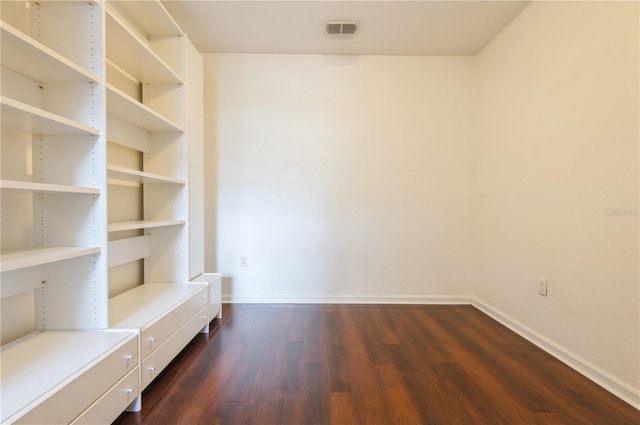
point(94, 190)
point(148, 172)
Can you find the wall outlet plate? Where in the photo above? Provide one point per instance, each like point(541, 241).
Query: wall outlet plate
point(542, 287)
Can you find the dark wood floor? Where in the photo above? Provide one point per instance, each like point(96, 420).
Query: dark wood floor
point(364, 364)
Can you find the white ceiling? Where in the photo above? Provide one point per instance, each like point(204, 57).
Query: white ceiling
point(428, 27)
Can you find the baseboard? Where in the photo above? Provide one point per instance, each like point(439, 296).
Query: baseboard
point(345, 299)
point(607, 381)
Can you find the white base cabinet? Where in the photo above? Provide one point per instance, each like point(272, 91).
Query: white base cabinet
point(166, 316)
point(215, 293)
point(52, 377)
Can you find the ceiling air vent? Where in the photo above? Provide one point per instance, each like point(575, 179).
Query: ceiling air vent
point(341, 29)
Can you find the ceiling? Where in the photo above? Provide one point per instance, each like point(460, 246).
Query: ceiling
point(428, 27)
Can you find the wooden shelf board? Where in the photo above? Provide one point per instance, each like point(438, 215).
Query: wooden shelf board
point(141, 306)
point(35, 257)
point(28, 119)
point(126, 108)
point(127, 50)
point(142, 224)
point(151, 17)
point(28, 57)
point(130, 175)
point(37, 365)
point(46, 188)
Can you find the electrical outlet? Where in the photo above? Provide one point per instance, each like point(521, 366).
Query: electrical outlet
point(542, 287)
point(244, 261)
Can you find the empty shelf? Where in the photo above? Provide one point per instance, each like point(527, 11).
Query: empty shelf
point(142, 224)
point(128, 109)
point(130, 175)
point(36, 257)
point(29, 119)
point(46, 188)
point(28, 57)
point(134, 55)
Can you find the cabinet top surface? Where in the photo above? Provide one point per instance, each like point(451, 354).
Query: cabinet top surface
point(143, 305)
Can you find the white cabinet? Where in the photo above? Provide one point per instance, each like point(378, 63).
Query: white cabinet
point(166, 316)
point(53, 376)
point(94, 193)
point(215, 293)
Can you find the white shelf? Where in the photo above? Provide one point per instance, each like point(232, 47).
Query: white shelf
point(46, 188)
point(38, 365)
point(128, 109)
point(36, 257)
point(28, 119)
point(127, 50)
point(130, 175)
point(142, 224)
point(151, 17)
point(26, 56)
point(141, 306)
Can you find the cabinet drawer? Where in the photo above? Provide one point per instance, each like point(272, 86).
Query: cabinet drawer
point(162, 356)
point(114, 402)
point(156, 334)
point(67, 403)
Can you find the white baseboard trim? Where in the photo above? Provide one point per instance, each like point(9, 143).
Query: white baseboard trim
point(345, 299)
point(607, 381)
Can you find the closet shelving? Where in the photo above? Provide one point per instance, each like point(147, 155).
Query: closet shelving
point(146, 112)
point(57, 360)
point(50, 93)
point(148, 156)
point(94, 179)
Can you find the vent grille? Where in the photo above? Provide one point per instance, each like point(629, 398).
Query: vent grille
point(341, 28)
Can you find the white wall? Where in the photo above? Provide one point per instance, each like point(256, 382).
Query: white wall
point(340, 177)
point(557, 182)
point(395, 178)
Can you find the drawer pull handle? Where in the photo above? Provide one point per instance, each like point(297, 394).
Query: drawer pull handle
point(151, 341)
point(129, 357)
point(129, 390)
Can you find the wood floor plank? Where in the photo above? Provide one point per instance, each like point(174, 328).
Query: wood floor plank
point(315, 395)
point(355, 364)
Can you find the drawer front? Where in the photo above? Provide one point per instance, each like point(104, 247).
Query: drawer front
point(215, 299)
point(156, 334)
point(74, 398)
point(114, 402)
point(160, 358)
